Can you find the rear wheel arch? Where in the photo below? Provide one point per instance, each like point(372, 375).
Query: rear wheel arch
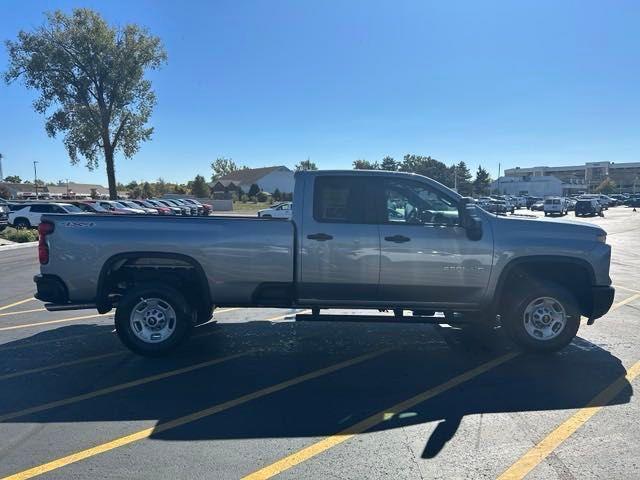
point(197, 292)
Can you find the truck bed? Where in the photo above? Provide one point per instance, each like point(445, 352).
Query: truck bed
point(238, 255)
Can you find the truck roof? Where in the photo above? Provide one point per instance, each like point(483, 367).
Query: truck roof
point(377, 173)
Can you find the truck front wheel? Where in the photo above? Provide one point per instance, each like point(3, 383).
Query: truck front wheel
point(152, 320)
point(542, 319)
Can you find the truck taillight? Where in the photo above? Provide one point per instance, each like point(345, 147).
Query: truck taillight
point(44, 229)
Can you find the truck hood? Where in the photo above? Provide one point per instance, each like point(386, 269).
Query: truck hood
point(537, 227)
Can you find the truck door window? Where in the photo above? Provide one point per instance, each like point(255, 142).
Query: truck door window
point(339, 200)
point(414, 203)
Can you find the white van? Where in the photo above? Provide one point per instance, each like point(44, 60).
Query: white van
point(555, 206)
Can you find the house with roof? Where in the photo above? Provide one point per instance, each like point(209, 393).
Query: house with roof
point(267, 178)
point(77, 190)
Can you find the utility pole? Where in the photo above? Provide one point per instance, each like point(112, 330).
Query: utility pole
point(499, 168)
point(67, 188)
point(35, 177)
point(455, 178)
point(1, 176)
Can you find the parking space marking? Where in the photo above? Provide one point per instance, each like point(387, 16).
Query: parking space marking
point(625, 301)
point(190, 418)
point(119, 387)
point(17, 303)
point(63, 364)
point(23, 311)
point(50, 322)
point(542, 450)
point(626, 288)
point(377, 418)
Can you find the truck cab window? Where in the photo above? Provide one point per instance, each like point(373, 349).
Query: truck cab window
point(339, 200)
point(413, 203)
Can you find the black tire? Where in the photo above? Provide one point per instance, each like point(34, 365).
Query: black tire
point(183, 319)
point(21, 223)
point(266, 216)
point(513, 318)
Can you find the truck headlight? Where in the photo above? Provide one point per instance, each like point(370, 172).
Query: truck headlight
point(602, 238)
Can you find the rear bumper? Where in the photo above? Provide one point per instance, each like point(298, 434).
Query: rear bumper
point(51, 289)
point(601, 301)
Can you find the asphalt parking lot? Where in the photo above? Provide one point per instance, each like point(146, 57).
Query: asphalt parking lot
point(259, 395)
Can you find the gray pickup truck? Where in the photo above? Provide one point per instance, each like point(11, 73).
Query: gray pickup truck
point(357, 239)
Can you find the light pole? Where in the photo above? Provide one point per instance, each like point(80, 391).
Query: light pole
point(35, 177)
point(67, 188)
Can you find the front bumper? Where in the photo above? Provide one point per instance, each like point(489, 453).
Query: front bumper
point(601, 301)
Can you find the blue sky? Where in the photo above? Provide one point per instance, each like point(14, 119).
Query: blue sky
point(274, 82)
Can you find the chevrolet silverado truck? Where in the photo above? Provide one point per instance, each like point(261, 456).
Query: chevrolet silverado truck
point(356, 239)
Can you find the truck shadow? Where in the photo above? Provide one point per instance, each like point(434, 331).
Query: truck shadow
point(421, 357)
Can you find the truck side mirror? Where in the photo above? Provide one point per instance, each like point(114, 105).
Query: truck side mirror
point(468, 220)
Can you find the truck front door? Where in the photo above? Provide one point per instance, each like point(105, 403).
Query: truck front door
point(426, 257)
point(339, 242)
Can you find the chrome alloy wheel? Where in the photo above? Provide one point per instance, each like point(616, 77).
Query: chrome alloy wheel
point(152, 320)
point(544, 318)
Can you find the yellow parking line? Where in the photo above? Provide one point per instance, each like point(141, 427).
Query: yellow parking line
point(119, 387)
point(60, 365)
point(71, 319)
point(17, 303)
point(49, 322)
point(625, 301)
point(186, 419)
point(23, 311)
point(375, 419)
point(627, 288)
point(98, 357)
point(542, 450)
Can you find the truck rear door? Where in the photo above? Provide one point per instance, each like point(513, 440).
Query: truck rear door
point(339, 241)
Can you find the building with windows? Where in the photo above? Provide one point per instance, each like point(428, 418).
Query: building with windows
point(590, 175)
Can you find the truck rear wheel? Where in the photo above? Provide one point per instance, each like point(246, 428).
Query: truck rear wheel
point(542, 319)
point(152, 320)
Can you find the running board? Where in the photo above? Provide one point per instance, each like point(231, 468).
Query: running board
point(57, 307)
point(368, 319)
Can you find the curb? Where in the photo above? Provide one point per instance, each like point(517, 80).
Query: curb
point(17, 246)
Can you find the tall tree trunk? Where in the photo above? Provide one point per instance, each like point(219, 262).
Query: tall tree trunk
point(111, 173)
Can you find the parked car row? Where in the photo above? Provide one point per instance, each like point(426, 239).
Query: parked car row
point(27, 215)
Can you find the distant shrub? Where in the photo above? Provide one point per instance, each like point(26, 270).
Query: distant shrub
point(262, 197)
point(20, 236)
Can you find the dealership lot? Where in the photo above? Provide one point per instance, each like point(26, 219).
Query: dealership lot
point(256, 393)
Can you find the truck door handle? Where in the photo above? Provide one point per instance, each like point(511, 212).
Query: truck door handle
point(397, 239)
point(321, 237)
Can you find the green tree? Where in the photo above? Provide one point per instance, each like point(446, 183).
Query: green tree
point(91, 80)
point(222, 166)
point(463, 179)
point(388, 163)
point(429, 167)
point(161, 187)
point(305, 165)
point(254, 189)
point(12, 179)
point(199, 187)
point(481, 182)
point(147, 190)
point(362, 164)
point(277, 195)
